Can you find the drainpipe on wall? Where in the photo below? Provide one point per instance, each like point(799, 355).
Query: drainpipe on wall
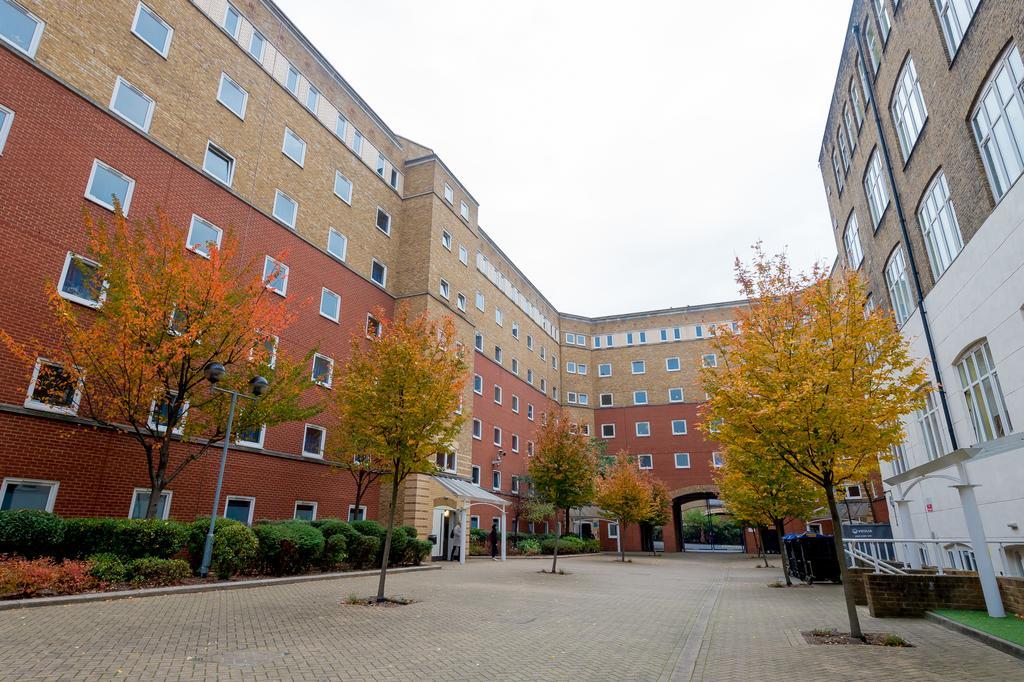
point(906, 243)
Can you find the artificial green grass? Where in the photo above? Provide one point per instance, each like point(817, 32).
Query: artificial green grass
point(1010, 628)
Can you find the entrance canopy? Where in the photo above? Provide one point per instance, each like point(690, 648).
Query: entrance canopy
point(469, 491)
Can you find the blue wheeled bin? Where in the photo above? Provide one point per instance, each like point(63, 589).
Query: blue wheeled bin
point(812, 557)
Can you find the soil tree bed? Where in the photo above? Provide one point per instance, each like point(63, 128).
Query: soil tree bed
point(870, 638)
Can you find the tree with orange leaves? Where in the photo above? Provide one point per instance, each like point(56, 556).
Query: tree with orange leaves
point(564, 466)
point(626, 494)
point(398, 402)
point(814, 380)
point(163, 313)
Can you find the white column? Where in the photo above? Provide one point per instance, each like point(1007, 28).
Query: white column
point(465, 535)
point(976, 531)
point(907, 521)
point(503, 533)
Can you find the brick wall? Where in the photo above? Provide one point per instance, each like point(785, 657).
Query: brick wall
point(1012, 590)
point(901, 596)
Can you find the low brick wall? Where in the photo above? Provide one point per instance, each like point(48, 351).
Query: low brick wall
point(1012, 591)
point(895, 596)
point(857, 585)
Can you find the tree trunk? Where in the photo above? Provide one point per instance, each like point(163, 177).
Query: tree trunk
point(554, 559)
point(387, 540)
point(837, 537)
point(622, 547)
point(155, 492)
point(780, 530)
point(360, 491)
point(157, 481)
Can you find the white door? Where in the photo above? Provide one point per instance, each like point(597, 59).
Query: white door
point(438, 532)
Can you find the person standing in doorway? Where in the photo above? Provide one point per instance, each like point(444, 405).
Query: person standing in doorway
point(455, 553)
point(494, 540)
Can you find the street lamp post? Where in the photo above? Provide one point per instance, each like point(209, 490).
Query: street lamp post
point(258, 385)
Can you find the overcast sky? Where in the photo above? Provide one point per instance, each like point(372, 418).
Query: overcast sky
point(623, 153)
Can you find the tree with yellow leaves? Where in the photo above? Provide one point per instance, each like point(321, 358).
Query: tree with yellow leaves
point(764, 491)
point(398, 402)
point(159, 311)
point(814, 380)
point(625, 494)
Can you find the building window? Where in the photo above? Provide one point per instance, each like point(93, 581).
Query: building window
point(497, 436)
point(955, 16)
point(337, 244)
point(884, 20)
point(515, 444)
point(239, 508)
point(253, 437)
point(356, 514)
point(343, 187)
point(851, 238)
point(480, 302)
point(478, 384)
point(515, 404)
point(78, 281)
point(313, 438)
point(380, 164)
point(232, 95)
point(304, 511)
point(6, 120)
point(294, 147)
point(19, 28)
point(53, 388)
point(257, 45)
point(639, 397)
point(939, 225)
point(983, 393)
point(498, 354)
point(108, 187)
point(160, 412)
point(460, 301)
point(908, 110)
point(140, 503)
point(672, 365)
point(499, 317)
point(613, 530)
point(449, 193)
point(678, 427)
point(464, 210)
point(497, 394)
point(645, 461)
point(515, 331)
point(851, 128)
point(478, 341)
point(856, 104)
point(496, 480)
point(875, 188)
point(478, 429)
point(292, 82)
point(570, 367)
point(379, 273)
point(899, 288)
point(149, 28)
point(202, 237)
point(446, 461)
point(874, 49)
point(570, 398)
point(232, 21)
point(330, 304)
point(529, 411)
point(639, 367)
point(22, 493)
point(717, 459)
point(323, 371)
point(709, 360)
point(275, 275)
point(607, 430)
point(312, 98)
point(844, 153)
point(675, 395)
point(444, 289)
point(131, 104)
point(604, 370)
point(476, 475)
point(682, 460)
point(838, 175)
point(383, 221)
point(643, 429)
point(463, 255)
point(581, 369)
point(219, 164)
point(999, 123)
point(931, 431)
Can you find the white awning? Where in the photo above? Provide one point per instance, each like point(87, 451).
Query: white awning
point(470, 491)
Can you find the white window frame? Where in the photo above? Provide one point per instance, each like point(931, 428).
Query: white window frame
point(460, 301)
point(939, 225)
point(495, 480)
point(36, 36)
point(258, 443)
point(640, 392)
point(899, 286)
point(283, 291)
point(643, 366)
point(120, 82)
point(954, 28)
point(514, 443)
point(464, 210)
point(613, 530)
point(338, 175)
point(668, 364)
point(717, 459)
point(154, 425)
point(636, 428)
point(446, 239)
point(135, 496)
point(323, 441)
point(300, 162)
point(682, 395)
point(449, 193)
point(312, 93)
point(601, 397)
point(932, 434)
point(34, 404)
point(851, 239)
point(51, 500)
point(295, 508)
point(353, 516)
point(463, 255)
point(218, 151)
point(498, 394)
point(71, 256)
point(1001, 175)
point(640, 462)
point(909, 112)
point(344, 244)
point(515, 404)
point(444, 289)
point(170, 30)
point(475, 474)
point(675, 432)
point(330, 373)
point(5, 129)
point(478, 429)
point(295, 217)
point(228, 9)
point(675, 460)
point(263, 46)
point(252, 506)
point(709, 360)
point(325, 292)
point(529, 411)
point(496, 435)
point(188, 238)
point(607, 431)
point(376, 221)
point(876, 188)
point(600, 370)
point(102, 202)
point(245, 95)
point(983, 393)
point(478, 381)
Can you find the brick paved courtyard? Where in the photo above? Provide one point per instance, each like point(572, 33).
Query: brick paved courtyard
point(677, 617)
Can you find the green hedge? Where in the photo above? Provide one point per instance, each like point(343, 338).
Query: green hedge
point(30, 533)
point(127, 538)
point(289, 547)
point(235, 547)
point(363, 551)
point(147, 572)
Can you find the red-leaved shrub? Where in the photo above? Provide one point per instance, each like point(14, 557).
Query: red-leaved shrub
point(28, 578)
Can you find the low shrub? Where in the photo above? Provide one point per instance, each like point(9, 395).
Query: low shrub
point(235, 550)
point(289, 547)
point(592, 546)
point(529, 547)
point(196, 540)
point(371, 528)
point(330, 527)
point(30, 533)
point(363, 551)
point(156, 572)
point(478, 534)
point(570, 544)
point(335, 552)
point(109, 568)
point(39, 577)
point(418, 551)
point(127, 538)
